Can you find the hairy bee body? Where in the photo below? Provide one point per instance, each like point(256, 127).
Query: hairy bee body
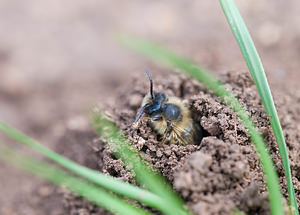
point(176, 127)
point(170, 117)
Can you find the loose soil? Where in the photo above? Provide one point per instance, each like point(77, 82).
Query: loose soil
point(218, 175)
point(53, 59)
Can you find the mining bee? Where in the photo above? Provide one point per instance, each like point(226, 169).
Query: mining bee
point(170, 117)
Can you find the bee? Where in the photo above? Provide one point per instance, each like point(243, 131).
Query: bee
point(170, 117)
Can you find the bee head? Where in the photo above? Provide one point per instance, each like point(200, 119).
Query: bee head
point(154, 106)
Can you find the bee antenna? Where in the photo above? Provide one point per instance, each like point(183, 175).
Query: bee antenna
point(141, 112)
point(151, 83)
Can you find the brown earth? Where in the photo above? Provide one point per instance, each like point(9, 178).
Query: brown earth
point(220, 174)
point(57, 59)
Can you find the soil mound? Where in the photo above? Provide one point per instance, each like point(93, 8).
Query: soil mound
point(222, 173)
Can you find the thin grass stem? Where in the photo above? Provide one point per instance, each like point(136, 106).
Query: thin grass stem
point(52, 174)
point(107, 182)
point(255, 66)
point(169, 59)
point(143, 174)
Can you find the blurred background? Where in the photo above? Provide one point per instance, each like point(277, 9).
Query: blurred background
point(56, 58)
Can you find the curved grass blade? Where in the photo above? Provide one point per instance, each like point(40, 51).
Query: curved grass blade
point(107, 182)
point(169, 59)
point(255, 66)
point(91, 192)
point(143, 174)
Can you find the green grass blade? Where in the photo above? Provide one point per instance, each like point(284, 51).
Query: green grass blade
point(167, 58)
point(91, 192)
point(107, 182)
point(238, 213)
point(144, 175)
point(255, 66)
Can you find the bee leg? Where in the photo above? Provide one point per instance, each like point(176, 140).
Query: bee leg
point(168, 132)
point(164, 141)
point(165, 136)
point(169, 128)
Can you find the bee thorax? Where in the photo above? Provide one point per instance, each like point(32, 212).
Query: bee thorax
point(171, 112)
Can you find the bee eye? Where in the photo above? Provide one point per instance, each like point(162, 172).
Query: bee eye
point(156, 118)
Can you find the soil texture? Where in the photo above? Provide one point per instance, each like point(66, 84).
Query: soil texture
point(218, 175)
point(58, 59)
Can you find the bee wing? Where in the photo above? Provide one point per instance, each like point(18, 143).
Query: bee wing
point(179, 131)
